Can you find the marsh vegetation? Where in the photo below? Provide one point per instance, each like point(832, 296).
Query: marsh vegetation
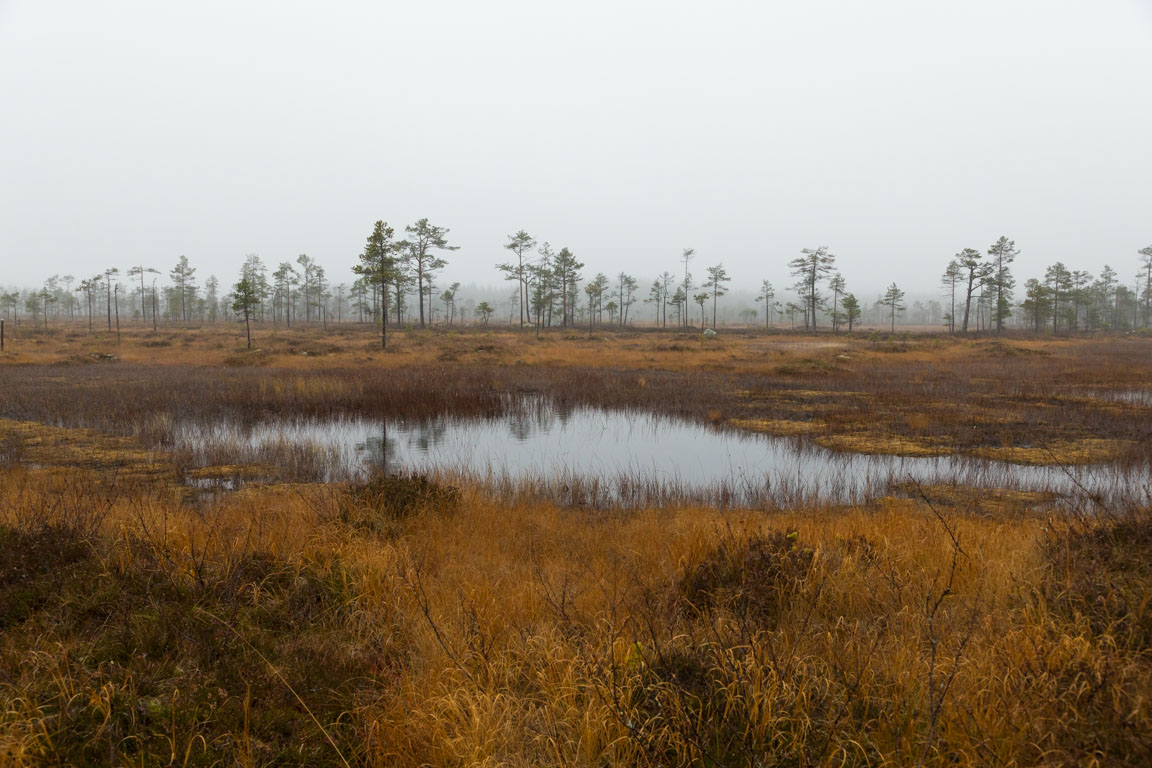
point(316, 553)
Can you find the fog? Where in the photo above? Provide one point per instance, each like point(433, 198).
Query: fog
point(895, 132)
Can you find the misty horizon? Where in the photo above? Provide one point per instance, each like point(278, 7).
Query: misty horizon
point(896, 134)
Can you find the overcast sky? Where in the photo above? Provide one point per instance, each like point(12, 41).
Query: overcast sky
point(896, 132)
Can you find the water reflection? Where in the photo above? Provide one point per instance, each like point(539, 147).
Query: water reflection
point(629, 456)
point(376, 448)
point(1141, 397)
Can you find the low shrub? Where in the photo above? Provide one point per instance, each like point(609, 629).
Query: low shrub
point(382, 501)
point(753, 576)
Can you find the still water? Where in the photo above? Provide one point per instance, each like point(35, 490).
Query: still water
point(600, 456)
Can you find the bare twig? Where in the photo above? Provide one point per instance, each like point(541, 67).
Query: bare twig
point(423, 603)
point(938, 689)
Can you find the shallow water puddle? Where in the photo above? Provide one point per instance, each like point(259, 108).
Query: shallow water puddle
point(1141, 397)
point(597, 456)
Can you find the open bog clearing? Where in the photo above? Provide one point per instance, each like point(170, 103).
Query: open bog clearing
point(635, 549)
point(598, 385)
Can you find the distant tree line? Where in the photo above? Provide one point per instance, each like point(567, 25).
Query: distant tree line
point(398, 282)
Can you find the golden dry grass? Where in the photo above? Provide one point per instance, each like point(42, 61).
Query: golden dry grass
point(146, 623)
point(529, 634)
point(1070, 452)
point(483, 633)
point(781, 427)
point(883, 444)
point(356, 345)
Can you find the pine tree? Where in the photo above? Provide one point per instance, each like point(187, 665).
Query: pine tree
point(1037, 303)
point(109, 273)
point(626, 288)
point(285, 278)
point(767, 293)
point(656, 299)
point(211, 299)
point(717, 277)
point(423, 239)
point(837, 286)
point(953, 276)
point(1146, 293)
point(182, 275)
point(484, 310)
point(519, 243)
point(566, 269)
point(308, 269)
point(1059, 284)
point(810, 268)
point(973, 274)
point(892, 298)
point(140, 270)
point(1106, 287)
point(1002, 253)
point(244, 300)
point(378, 266)
point(701, 299)
point(851, 310)
point(686, 256)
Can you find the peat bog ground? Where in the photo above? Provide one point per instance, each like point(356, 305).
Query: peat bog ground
point(166, 601)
